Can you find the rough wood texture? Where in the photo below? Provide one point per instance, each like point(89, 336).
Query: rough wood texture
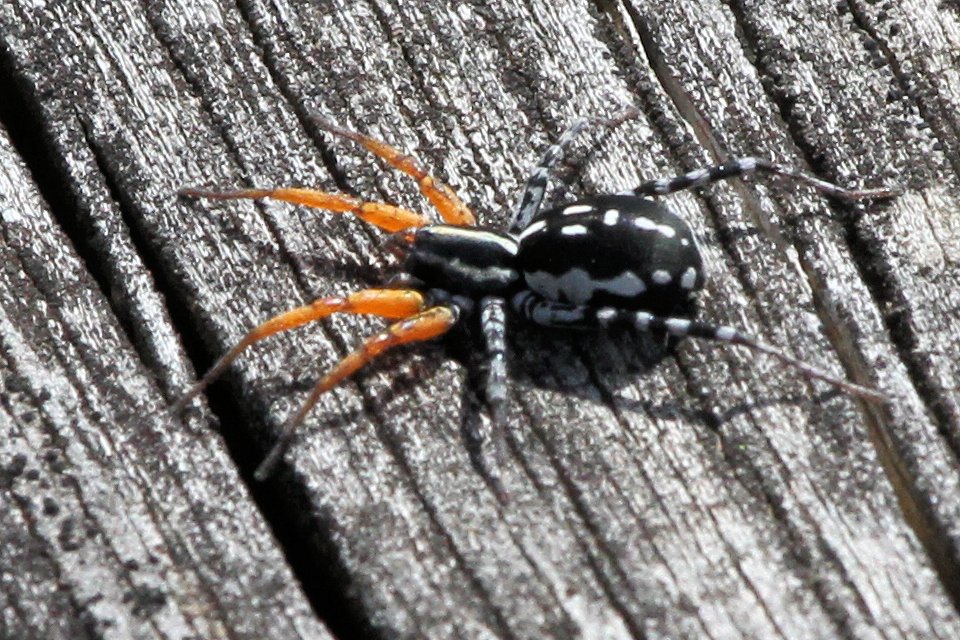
point(704, 493)
point(114, 524)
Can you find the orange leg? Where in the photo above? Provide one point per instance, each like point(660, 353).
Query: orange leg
point(425, 325)
point(386, 216)
point(386, 303)
point(442, 197)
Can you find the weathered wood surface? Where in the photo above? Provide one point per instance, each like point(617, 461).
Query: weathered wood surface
point(706, 493)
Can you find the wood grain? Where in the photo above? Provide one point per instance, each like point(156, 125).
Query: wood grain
point(699, 492)
point(118, 522)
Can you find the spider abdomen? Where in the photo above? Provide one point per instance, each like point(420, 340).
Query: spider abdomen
point(620, 251)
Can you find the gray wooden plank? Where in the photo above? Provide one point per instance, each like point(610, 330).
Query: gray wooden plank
point(874, 84)
point(115, 524)
point(711, 494)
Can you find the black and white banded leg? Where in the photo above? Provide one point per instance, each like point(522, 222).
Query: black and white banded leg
point(493, 324)
point(536, 185)
point(553, 314)
point(547, 313)
point(740, 167)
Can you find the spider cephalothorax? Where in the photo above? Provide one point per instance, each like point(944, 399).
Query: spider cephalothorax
point(603, 261)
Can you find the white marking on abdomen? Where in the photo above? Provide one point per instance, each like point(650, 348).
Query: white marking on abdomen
point(642, 320)
point(661, 277)
point(574, 230)
point(606, 315)
point(578, 287)
point(649, 225)
point(689, 278)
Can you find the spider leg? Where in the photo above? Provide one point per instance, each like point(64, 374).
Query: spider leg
point(425, 325)
point(548, 313)
point(739, 167)
point(386, 216)
point(681, 327)
point(386, 303)
point(536, 185)
point(493, 324)
point(554, 314)
point(441, 196)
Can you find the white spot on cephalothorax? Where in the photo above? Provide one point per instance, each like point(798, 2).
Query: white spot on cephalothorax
point(661, 186)
point(689, 278)
point(647, 224)
point(661, 277)
point(507, 244)
point(611, 217)
point(484, 275)
point(684, 242)
point(578, 287)
point(677, 326)
point(574, 230)
point(577, 208)
point(457, 268)
point(725, 333)
point(533, 229)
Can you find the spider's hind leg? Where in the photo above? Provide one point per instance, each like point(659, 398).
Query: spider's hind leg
point(536, 185)
point(548, 313)
point(682, 327)
point(739, 167)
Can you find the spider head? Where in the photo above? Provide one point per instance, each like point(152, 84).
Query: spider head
point(462, 260)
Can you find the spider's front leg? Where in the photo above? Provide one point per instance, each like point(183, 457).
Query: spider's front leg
point(428, 324)
point(385, 303)
point(451, 209)
point(386, 216)
point(420, 322)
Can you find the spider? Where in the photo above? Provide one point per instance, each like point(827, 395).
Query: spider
point(600, 262)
